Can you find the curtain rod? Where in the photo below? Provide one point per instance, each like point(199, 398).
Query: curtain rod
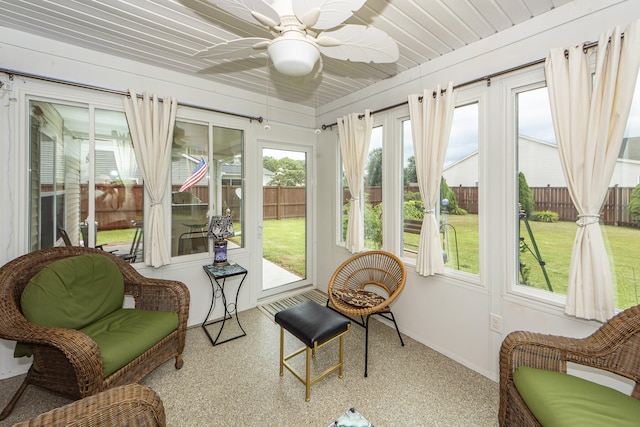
point(12, 73)
point(487, 78)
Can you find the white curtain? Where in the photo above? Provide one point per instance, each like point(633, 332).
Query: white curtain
point(431, 117)
point(152, 135)
point(590, 114)
point(125, 157)
point(355, 136)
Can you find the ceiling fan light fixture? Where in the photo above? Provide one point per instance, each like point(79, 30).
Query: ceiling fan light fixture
point(293, 57)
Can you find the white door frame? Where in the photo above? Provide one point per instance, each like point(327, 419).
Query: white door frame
point(310, 222)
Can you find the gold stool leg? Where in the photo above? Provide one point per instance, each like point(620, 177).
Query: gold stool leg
point(340, 370)
point(281, 351)
point(308, 376)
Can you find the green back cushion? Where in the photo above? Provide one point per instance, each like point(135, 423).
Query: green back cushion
point(558, 399)
point(73, 292)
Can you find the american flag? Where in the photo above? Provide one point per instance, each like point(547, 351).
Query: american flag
point(196, 176)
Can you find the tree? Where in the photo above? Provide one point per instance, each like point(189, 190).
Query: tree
point(289, 164)
point(634, 204)
point(288, 172)
point(270, 163)
point(373, 176)
point(288, 178)
point(447, 193)
point(525, 196)
point(410, 174)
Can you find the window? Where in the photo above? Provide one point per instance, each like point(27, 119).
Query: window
point(61, 154)
point(86, 184)
point(190, 166)
point(372, 183)
point(546, 212)
point(459, 193)
point(373, 192)
point(544, 247)
point(458, 210)
point(413, 209)
point(119, 190)
point(204, 182)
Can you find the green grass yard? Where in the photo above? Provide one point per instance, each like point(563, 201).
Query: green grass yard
point(284, 244)
point(555, 243)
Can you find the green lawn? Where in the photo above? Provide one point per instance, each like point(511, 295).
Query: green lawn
point(284, 244)
point(121, 236)
point(555, 243)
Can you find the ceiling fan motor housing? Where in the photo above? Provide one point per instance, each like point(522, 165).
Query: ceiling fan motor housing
point(293, 54)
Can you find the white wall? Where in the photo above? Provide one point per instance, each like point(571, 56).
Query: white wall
point(450, 313)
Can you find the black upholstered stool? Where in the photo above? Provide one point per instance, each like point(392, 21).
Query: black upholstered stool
point(315, 326)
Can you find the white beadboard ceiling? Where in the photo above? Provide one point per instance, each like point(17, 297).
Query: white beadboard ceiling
point(167, 33)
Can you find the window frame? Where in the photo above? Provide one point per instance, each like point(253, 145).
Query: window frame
point(55, 93)
point(393, 183)
point(519, 82)
point(204, 117)
point(465, 96)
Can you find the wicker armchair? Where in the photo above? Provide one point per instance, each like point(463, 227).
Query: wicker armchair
point(367, 284)
point(68, 361)
point(614, 347)
point(127, 405)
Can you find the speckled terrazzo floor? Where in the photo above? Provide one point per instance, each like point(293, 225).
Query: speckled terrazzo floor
point(237, 384)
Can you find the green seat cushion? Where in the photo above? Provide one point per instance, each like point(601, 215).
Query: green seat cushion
point(73, 292)
point(127, 333)
point(558, 399)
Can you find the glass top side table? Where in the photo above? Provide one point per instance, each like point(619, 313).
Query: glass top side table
point(218, 276)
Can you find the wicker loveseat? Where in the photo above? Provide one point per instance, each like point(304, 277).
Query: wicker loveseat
point(126, 405)
point(127, 344)
point(532, 362)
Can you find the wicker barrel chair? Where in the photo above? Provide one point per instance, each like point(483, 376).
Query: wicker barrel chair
point(364, 285)
point(67, 361)
point(126, 405)
point(614, 347)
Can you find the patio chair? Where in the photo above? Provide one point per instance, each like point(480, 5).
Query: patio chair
point(65, 236)
point(127, 405)
point(132, 256)
point(614, 347)
point(69, 361)
point(364, 285)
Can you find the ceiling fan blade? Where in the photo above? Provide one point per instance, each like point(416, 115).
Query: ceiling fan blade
point(332, 12)
point(359, 43)
point(238, 48)
point(250, 10)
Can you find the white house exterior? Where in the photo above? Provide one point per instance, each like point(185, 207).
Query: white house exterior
point(544, 170)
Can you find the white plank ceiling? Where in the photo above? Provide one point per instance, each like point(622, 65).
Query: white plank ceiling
point(167, 33)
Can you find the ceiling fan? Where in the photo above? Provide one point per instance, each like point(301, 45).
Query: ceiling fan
point(302, 30)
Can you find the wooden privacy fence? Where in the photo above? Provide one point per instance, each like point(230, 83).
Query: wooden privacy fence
point(615, 210)
point(119, 205)
point(280, 202)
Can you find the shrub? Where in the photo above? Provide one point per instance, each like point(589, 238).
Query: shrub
point(413, 209)
point(447, 193)
point(634, 204)
point(373, 225)
point(544, 216)
point(525, 196)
